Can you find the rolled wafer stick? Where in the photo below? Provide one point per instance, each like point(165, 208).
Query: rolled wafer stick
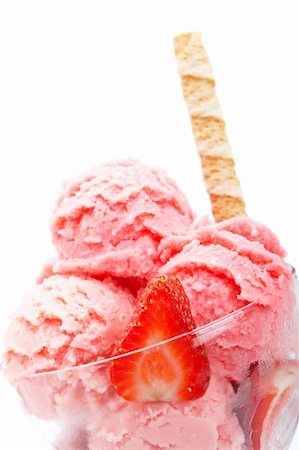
point(208, 126)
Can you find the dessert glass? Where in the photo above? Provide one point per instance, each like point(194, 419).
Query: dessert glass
point(78, 409)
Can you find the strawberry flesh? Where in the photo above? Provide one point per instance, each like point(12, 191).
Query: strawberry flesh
point(277, 389)
point(267, 404)
point(176, 370)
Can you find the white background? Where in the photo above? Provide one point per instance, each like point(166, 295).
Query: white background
point(83, 83)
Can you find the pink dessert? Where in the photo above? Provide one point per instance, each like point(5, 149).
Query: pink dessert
point(111, 220)
point(64, 322)
point(114, 228)
point(224, 267)
point(208, 421)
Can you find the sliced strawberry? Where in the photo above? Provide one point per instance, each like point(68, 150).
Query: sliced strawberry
point(277, 406)
point(270, 405)
point(177, 370)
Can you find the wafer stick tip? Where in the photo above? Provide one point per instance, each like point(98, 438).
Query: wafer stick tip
point(183, 40)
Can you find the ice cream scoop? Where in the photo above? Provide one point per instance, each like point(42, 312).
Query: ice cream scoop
point(226, 266)
point(112, 219)
point(64, 322)
point(208, 423)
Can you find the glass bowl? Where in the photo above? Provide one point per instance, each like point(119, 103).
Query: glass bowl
point(251, 402)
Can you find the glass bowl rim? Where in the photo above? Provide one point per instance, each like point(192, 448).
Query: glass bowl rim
point(200, 331)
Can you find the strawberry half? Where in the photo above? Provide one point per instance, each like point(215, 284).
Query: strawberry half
point(277, 406)
point(176, 370)
point(269, 405)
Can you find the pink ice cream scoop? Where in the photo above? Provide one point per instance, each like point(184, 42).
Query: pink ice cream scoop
point(225, 266)
point(112, 219)
point(208, 423)
point(64, 322)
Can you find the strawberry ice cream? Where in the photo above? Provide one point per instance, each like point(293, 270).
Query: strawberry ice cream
point(208, 423)
point(224, 267)
point(64, 322)
point(113, 229)
point(111, 220)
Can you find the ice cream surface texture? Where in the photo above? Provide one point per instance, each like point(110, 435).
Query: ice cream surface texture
point(111, 220)
point(224, 267)
point(64, 322)
point(208, 423)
